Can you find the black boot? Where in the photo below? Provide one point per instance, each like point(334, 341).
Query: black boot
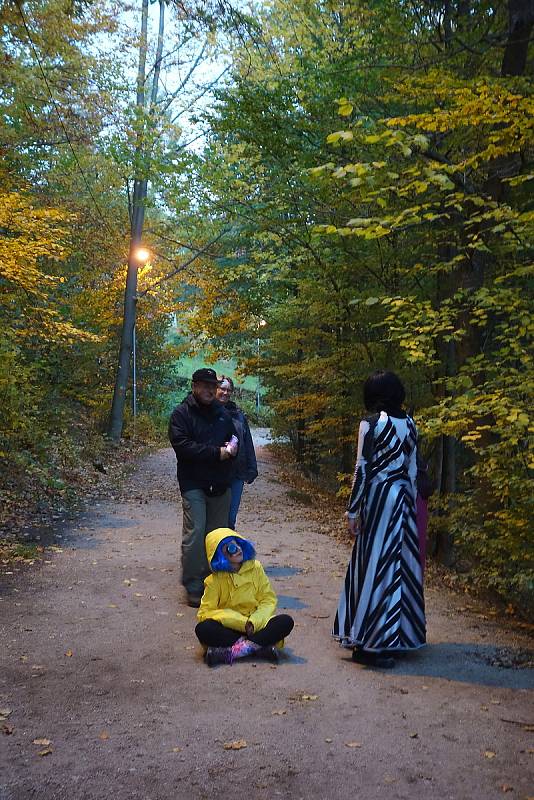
point(218, 655)
point(372, 659)
point(269, 653)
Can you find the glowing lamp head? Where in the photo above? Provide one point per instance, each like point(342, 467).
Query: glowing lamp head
point(142, 255)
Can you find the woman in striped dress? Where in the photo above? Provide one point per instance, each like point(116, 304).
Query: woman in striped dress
point(381, 607)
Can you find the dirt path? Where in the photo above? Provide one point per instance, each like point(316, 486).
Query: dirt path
point(99, 657)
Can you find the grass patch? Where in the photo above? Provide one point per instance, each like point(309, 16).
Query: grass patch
point(16, 551)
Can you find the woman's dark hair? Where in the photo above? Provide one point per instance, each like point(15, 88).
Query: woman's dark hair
point(383, 391)
point(229, 380)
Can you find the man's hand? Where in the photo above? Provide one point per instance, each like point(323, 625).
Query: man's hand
point(224, 454)
point(249, 629)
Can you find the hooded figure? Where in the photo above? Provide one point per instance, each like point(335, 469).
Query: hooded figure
point(237, 610)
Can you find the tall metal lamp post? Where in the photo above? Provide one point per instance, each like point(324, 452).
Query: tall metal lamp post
point(142, 255)
point(261, 324)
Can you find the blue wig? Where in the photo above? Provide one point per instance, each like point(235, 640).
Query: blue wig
point(219, 562)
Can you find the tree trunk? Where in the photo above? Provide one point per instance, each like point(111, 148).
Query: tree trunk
point(520, 22)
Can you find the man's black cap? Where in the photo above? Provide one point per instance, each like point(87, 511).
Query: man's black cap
point(205, 374)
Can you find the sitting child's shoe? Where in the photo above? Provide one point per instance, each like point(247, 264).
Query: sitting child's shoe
point(270, 654)
point(218, 655)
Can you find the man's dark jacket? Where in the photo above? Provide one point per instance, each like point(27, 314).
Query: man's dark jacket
point(197, 433)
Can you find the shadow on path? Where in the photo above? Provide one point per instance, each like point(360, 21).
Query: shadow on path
point(465, 662)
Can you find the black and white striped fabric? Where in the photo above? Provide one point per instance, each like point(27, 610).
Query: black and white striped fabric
point(381, 607)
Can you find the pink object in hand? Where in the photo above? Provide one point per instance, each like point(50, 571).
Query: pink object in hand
point(232, 445)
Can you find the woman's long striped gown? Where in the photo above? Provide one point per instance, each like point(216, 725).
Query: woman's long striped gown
point(381, 607)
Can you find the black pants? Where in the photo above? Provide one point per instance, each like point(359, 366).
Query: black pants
point(214, 634)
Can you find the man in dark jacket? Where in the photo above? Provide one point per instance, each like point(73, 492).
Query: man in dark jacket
point(199, 431)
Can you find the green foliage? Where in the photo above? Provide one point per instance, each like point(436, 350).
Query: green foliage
point(63, 239)
point(400, 238)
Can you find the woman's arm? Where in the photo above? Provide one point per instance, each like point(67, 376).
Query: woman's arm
point(364, 454)
point(252, 466)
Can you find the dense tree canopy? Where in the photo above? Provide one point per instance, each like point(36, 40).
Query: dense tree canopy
point(358, 195)
point(374, 162)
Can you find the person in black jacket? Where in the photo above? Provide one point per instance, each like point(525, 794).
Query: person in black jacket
point(200, 431)
point(246, 468)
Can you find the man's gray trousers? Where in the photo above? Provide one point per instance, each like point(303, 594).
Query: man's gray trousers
point(202, 514)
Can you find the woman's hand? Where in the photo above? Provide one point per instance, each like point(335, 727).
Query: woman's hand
point(353, 524)
point(249, 629)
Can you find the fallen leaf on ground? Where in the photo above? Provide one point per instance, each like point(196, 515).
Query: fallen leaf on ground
point(414, 735)
point(112, 605)
point(353, 744)
point(176, 750)
point(489, 754)
point(137, 594)
point(528, 728)
point(239, 744)
point(308, 697)
point(328, 741)
point(69, 653)
point(279, 712)
point(484, 708)
point(389, 779)
point(179, 614)
point(127, 582)
point(4, 713)
point(495, 702)
point(44, 742)
point(45, 752)
point(104, 735)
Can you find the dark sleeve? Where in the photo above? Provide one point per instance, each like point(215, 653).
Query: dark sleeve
point(184, 445)
point(251, 463)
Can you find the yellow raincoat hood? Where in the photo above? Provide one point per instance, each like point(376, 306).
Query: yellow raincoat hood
point(214, 539)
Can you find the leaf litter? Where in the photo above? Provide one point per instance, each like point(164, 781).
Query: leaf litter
point(239, 744)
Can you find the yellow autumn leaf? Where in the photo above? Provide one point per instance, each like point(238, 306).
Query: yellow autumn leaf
point(239, 744)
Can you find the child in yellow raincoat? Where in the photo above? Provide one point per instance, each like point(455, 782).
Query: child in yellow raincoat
point(237, 610)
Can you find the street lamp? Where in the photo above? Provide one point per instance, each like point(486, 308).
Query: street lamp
point(261, 324)
point(141, 255)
